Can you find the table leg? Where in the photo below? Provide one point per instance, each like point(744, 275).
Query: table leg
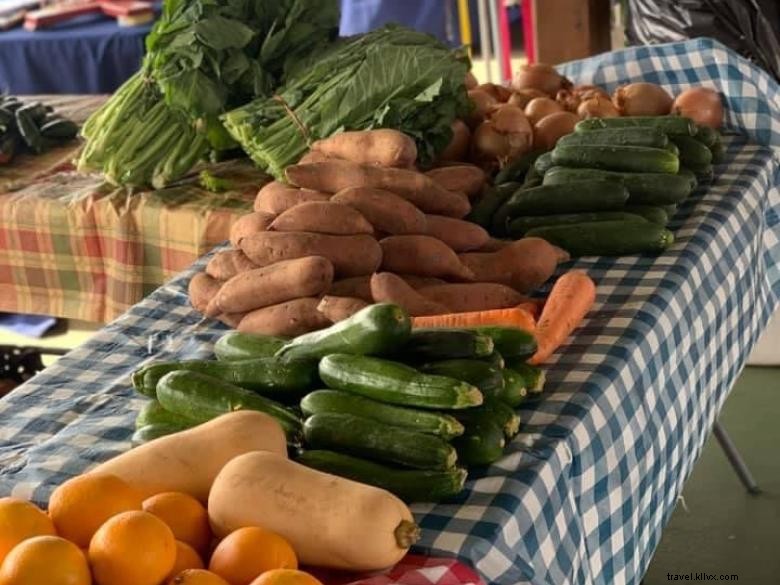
point(734, 457)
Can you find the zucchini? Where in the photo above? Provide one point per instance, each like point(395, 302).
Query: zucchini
point(666, 124)
point(235, 345)
point(443, 344)
point(152, 413)
point(60, 129)
point(516, 169)
point(514, 391)
point(649, 212)
point(643, 188)
point(534, 377)
point(637, 136)
point(151, 432)
point(364, 437)
point(492, 199)
point(482, 444)
point(544, 163)
point(377, 329)
point(706, 135)
point(477, 373)
point(268, 376)
point(607, 238)
point(495, 359)
point(633, 159)
point(36, 112)
point(411, 485)
point(201, 398)
point(519, 226)
point(693, 154)
point(431, 423)
point(492, 411)
point(583, 196)
point(511, 341)
point(29, 131)
point(396, 383)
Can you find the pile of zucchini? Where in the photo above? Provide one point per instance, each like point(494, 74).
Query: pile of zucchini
point(609, 188)
point(30, 127)
point(369, 398)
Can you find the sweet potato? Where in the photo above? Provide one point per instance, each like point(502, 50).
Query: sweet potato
point(314, 156)
point(458, 234)
point(202, 289)
point(418, 282)
point(475, 296)
point(423, 256)
point(339, 308)
point(384, 147)
point(276, 198)
point(468, 179)
point(350, 255)
point(336, 175)
point(274, 284)
point(322, 217)
point(231, 319)
point(524, 265)
point(226, 264)
point(387, 287)
point(385, 210)
point(251, 223)
point(494, 245)
point(357, 286)
point(286, 319)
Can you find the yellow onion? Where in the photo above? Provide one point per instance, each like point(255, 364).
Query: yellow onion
point(549, 129)
point(568, 100)
point(458, 147)
point(597, 106)
point(538, 108)
point(540, 76)
point(488, 144)
point(702, 105)
point(483, 103)
point(499, 92)
point(585, 92)
point(642, 99)
point(521, 97)
point(470, 81)
point(505, 134)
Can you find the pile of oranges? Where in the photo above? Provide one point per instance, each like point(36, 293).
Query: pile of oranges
point(101, 531)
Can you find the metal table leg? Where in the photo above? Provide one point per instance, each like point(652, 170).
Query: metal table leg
point(734, 457)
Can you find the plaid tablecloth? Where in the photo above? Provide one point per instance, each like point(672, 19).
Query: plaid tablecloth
point(72, 246)
point(586, 488)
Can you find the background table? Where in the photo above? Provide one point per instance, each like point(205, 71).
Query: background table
point(585, 490)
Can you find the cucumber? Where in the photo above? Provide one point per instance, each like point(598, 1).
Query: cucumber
point(482, 444)
point(151, 432)
point(477, 373)
point(152, 413)
point(364, 437)
point(643, 188)
point(235, 346)
point(499, 224)
point(706, 135)
point(649, 212)
point(411, 485)
point(666, 124)
point(443, 344)
point(495, 359)
point(637, 136)
point(492, 411)
point(268, 376)
point(690, 176)
point(633, 159)
point(514, 391)
point(672, 147)
point(493, 198)
point(670, 210)
point(718, 152)
point(693, 154)
point(583, 196)
point(519, 226)
point(396, 383)
point(532, 179)
point(431, 423)
point(544, 163)
point(534, 377)
point(201, 398)
point(607, 238)
point(516, 169)
point(511, 341)
point(377, 329)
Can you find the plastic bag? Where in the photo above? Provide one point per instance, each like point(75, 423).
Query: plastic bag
point(749, 27)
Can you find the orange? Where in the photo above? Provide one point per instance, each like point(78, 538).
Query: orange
point(20, 520)
point(197, 577)
point(286, 577)
point(132, 548)
point(185, 515)
point(186, 558)
point(245, 554)
point(45, 560)
point(81, 505)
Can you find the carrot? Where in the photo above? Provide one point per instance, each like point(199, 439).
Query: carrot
point(513, 317)
point(571, 297)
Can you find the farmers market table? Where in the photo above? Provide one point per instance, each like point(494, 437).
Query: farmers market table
point(72, 246)
point(585, 490)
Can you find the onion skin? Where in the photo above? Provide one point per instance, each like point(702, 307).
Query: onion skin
point(504, 135)
point(568, 100)
point(470, 81)
point(642, 99)
point(702, 105)
point(458, 147)
point(489, 145)
point(540, 76)
point(597, 106)
point(585, 92)
point(499, 92)
point(549, 129)
point(522, 97)
point(483, 103)
point(538, 108)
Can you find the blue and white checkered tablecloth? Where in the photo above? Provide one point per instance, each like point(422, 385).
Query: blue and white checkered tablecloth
point(586, 489)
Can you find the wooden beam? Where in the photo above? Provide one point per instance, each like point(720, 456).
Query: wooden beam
point(564, 30)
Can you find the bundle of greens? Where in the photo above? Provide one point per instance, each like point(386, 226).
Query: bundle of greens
point(392, 77)
point(203, 58)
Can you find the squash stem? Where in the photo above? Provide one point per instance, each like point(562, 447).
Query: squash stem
point(406, 534)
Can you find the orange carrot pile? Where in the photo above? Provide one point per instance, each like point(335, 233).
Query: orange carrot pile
point(519, 317)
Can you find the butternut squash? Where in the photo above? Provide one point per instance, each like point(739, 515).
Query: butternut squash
point(190, 460)
point(329, 521)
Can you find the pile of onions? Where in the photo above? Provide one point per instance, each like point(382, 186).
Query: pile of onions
point(642, 99)
point(501, 93)
point(458, 147)
point(483, 102)
point(504, 135)
point(470, 81)
point(549, 129)
point(520, 98)
point(585, 92)
point(540, 107)
point(540, 76)
point(597, 106)
point(702, 105)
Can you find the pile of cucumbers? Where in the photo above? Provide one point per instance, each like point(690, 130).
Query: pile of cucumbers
point(609, 188)
point(368, 398)
point(30, 127)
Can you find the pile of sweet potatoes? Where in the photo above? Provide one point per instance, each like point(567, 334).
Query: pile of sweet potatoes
point(357, 223)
